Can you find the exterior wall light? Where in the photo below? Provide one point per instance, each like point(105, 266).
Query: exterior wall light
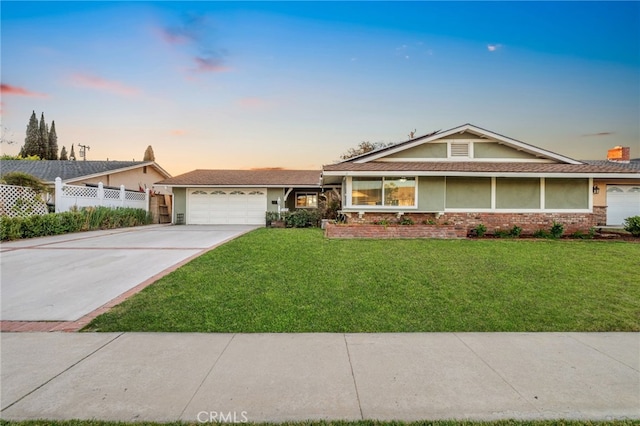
point(596, 189)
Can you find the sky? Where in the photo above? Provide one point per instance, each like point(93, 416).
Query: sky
point(240, 85)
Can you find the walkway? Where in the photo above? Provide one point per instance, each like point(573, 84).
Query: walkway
point(280, 377)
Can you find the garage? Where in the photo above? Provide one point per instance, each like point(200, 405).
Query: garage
point(623, 201)
point(220, 206)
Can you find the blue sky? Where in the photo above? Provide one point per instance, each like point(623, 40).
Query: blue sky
point(295, 84)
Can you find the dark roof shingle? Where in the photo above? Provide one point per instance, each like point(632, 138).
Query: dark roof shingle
point(49, 170)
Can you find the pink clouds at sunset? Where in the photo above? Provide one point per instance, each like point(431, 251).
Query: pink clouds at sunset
point(99, 83)
point(7, 89)
point(178, 132)
point(252, 103)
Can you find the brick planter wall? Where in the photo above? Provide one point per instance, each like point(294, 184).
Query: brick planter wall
point(393, 231)
point(462, 223)
point(529, 222)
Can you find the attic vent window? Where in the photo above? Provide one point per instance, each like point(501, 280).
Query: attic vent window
point(460, 150)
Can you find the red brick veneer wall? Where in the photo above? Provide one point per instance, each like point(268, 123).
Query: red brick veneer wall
point(529, 222)
point(393, 231)
point(461, 223)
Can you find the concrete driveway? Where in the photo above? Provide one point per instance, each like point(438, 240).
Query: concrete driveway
point(65, 277)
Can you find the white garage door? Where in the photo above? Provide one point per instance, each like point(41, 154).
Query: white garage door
point(234, 206)
point(623, 201)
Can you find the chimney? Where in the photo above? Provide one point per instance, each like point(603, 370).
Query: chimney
point(619, 154)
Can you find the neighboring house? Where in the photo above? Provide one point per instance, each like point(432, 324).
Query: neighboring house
point(468, 175)
point(621, 196)
point(240, 196)
point(134, 175)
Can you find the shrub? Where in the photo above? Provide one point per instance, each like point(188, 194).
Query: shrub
point(632, 224)
point(541, 233)
point(271, 217)
point(406, 221)
point(10, 228)
point(584, 236)
point(480, 230)
point(302, 218)
point(429, 222)
point(72, 221)
point(557, 229)
point(515, 231)
point(501, 234)
point(383, 222)
point(330, 209)
point(24, 179)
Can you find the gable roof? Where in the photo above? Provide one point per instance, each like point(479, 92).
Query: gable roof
point(49, 170)
point(462, 168)
point(470, 128)
point(263, 178)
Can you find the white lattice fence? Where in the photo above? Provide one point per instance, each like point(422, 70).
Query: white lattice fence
point(70, 196)
point(20, 201)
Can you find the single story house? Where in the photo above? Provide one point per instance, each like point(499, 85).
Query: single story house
point(469, 175)
point(463, 176)
point(240, 196)
point(134, 175)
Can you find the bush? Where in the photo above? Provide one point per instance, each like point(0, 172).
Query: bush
point(515, 231)
point(73, 221)
point(303, 218)
point(501, 234)
point(541, 233)
point(632, 224)
point(10, 228)
point(584, 236)
point(271, 217)
point(557, 229)
point(24, 179)
point(480, 230)
point(406, 221)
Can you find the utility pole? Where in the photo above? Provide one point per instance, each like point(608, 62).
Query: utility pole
point(83, 151)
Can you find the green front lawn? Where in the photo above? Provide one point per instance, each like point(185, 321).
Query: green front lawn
point(294, 280)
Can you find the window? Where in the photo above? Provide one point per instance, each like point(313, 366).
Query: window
point(468, 193)
point(306, 200)
point(385, 192)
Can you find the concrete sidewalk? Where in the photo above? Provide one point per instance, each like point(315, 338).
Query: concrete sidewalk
point(280, 377)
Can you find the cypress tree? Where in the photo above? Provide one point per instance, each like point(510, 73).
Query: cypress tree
point(43, 139)
point(31, 146)
point(72, 156)
point(53, 142)
point(149, 155)
point(63, 153)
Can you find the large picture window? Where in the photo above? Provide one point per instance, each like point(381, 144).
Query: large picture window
point(384, 192)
